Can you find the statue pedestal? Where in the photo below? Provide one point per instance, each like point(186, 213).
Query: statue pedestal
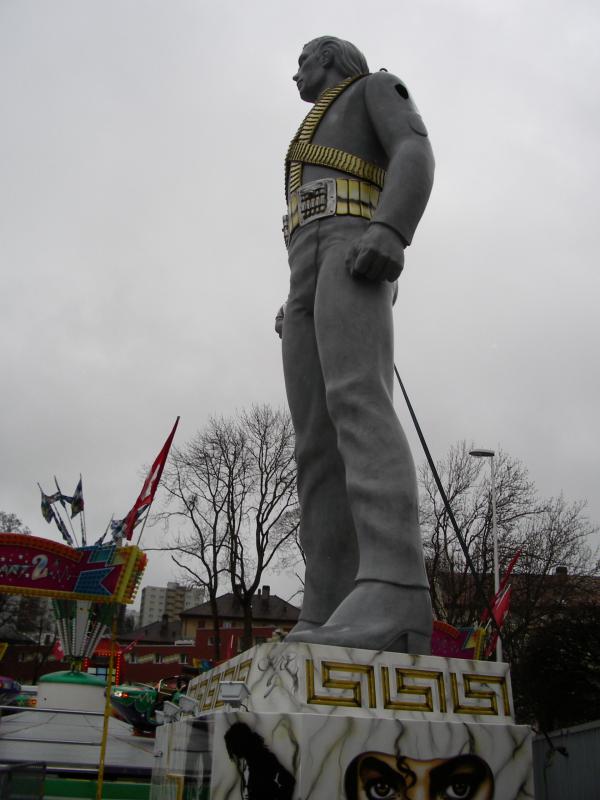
point(329, 722)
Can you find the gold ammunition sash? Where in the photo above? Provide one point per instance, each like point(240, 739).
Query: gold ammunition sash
point(301, 150)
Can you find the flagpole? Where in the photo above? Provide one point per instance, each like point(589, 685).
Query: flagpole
point(101, 539)
point(70, 521)
point(113, 634)
point(144, 523)
point(62, 528)
point(82, 517)
point(59, 515)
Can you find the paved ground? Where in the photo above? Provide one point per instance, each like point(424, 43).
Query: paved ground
point(72, 740)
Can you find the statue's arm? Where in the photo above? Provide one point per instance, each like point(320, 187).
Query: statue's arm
point(403, 136)
point(379, 253)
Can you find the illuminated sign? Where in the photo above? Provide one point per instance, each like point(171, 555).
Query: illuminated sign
point(30, 565)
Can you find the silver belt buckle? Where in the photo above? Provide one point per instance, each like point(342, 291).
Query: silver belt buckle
point(316, 199)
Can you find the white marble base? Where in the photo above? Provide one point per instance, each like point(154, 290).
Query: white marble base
point(327, 723)
point(339, 681)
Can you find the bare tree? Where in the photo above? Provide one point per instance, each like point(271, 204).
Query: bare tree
point(261, 523)
point(550, 533)
point(196, 481)
point(9, 523)
point(232, 490)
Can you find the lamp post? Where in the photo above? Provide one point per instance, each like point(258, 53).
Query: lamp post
point(480, 453)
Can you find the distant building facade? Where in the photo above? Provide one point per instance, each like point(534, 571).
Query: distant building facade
point(171, 600)
point(172, 645)
point(270, 614)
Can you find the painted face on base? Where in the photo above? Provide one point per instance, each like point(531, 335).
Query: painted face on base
point(382, 776)
point(311, 78)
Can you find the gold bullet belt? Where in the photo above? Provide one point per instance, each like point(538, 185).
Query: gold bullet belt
point(329, 197)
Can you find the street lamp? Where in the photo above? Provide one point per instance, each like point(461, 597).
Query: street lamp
point(480, 453)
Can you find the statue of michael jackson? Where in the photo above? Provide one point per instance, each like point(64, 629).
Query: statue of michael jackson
point(358, 176)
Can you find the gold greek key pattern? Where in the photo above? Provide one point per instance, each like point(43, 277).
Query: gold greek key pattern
point(206, 691)
point(306, 131)
point(198, 690)
point(243, 670)
point(228, 675)
point(355, 687)
point(489, 696)
point(412, 689)
point(396, 688)
point(212, 692)
point(309, 153)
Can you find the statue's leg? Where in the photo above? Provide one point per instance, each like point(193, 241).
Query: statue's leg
point(389, 607)
point(326, 528)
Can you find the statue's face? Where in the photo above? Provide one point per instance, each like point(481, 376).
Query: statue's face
point(311, 78)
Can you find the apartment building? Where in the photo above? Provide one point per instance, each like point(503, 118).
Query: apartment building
point(171, 600)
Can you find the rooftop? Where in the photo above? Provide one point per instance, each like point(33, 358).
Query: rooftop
point(265, 606)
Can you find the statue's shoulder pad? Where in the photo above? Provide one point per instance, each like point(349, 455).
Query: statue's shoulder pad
point(385, 90)
point(385, 82)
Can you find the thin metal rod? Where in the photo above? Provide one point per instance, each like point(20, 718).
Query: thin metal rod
point(69, 520)
point(446, 502)
point(52, 711)
point(109, 681)
point(48, 741)
point(495, 540)
point(82, 517)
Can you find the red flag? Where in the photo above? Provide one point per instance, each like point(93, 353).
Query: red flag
point(229, 650)
point(509, 569)
point(146, 496)
point(495, 599)
point(499, 610)
point(57, 651)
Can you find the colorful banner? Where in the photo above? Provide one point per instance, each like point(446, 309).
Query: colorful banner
point(30, 565)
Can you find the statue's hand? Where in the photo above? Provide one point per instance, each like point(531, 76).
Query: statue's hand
point(279, 321)
point(378, 255)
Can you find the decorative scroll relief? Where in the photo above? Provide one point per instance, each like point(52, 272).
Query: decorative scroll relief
point(481, 694)
point(413, 690)
point(335, 680)
point(206, 688)
point(368, 686)
point(350, 691)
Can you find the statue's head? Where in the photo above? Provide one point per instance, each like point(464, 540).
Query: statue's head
point(325, 62)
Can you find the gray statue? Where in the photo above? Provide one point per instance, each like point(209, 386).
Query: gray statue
point(358, 176)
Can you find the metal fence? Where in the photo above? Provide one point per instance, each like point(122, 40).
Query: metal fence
point(22, 781)
point(566, 763)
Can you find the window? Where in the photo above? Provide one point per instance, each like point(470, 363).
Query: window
point(100, 671)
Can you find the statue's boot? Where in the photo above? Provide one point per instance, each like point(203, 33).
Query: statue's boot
point(377, 616)
point(330, 576)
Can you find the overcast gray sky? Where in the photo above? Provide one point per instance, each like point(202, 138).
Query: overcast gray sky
point(141, 154)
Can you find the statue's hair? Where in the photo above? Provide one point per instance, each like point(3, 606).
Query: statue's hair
point(347, 56)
